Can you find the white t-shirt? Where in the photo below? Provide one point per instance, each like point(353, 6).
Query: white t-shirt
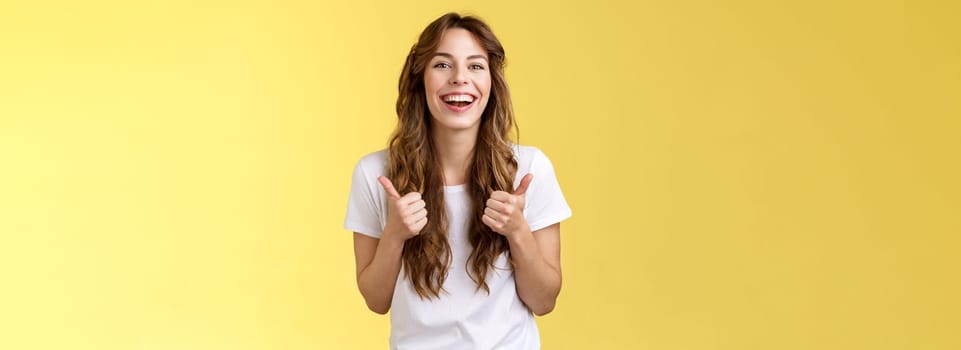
point(462, 318)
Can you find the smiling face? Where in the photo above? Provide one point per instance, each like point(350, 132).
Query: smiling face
point(457, 81)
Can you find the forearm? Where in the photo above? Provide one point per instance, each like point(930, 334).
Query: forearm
point(538, 282)
point(377, 280)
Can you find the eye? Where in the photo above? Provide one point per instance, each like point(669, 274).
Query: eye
point(476, 67)
point(441, 65)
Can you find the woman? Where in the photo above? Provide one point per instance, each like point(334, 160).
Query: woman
point(456, 229)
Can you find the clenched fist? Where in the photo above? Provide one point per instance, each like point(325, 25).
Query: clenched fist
point(406, 215)
point(505, 211)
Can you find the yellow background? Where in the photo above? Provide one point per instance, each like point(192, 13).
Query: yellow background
point(743, 175)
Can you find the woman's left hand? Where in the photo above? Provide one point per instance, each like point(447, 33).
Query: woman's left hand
point(505, 211)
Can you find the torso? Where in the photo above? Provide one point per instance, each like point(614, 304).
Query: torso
point(463, 317)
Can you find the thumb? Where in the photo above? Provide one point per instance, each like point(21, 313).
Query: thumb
point(525, 182)
point(388, 187)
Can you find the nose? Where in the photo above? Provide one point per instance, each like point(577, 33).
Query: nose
point(458, 77)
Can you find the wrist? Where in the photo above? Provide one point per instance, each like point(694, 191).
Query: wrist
point(391, 240)
point(520, 235)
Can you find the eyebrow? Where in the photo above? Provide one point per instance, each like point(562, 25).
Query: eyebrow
point(452, 56)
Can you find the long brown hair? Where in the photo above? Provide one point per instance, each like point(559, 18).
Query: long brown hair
point(413, 165)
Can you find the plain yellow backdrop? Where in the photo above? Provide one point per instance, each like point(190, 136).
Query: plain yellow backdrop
point(743, 174)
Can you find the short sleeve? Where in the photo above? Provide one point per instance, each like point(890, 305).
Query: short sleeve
point(364, 210)
point(545, 204)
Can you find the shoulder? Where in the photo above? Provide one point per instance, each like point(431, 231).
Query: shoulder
point(373, 164)
point(366, 210)
point(529, 158)
point(526, 154)
point(374, 159)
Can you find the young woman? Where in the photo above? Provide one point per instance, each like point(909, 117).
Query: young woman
point(456, 229)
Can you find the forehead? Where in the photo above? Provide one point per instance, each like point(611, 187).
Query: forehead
point(460, 43)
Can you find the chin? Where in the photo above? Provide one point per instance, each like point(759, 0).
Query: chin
point(457, 125)
point(457, 122)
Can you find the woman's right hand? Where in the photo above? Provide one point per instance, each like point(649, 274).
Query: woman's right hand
point(406, 215)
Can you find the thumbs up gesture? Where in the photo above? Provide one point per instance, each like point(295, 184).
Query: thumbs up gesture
point(406, 215)
point(505, 211)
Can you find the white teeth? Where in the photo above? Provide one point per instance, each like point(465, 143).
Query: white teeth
point(459, 98)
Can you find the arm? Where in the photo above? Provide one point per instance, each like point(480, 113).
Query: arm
point(378, 264)
point(378, 260)
point(537, 267)
point(536, 256)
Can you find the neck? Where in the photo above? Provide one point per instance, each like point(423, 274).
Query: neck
point(455, 150)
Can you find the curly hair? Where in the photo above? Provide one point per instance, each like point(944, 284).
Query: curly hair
point(413, 164)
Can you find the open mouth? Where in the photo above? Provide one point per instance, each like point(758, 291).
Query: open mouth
point(458, 100)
